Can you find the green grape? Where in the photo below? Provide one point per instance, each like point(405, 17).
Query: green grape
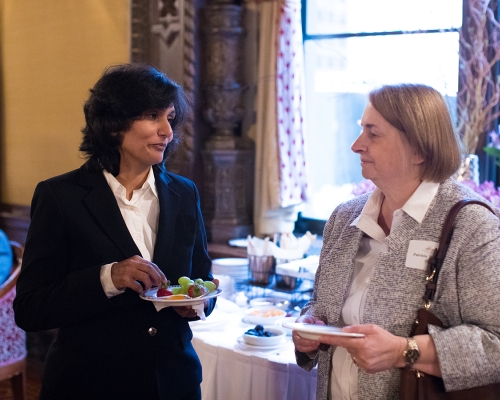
point(183, 290)
point(199, 281)
point(184, 281)
point(210, 285)
point(175, 290)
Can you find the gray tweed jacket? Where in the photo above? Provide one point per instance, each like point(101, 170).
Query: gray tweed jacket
point(467, 298)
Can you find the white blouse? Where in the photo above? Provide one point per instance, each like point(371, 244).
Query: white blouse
point(344, 376)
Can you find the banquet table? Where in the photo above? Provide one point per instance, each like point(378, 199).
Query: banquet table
point(233, 370)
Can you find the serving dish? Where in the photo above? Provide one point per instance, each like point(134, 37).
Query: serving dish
point(266, 315)
point(282, 304)
point(277, 336)
point(242, 345)
point(243, 242)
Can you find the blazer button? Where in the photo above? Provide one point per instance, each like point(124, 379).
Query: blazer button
point(152, 331)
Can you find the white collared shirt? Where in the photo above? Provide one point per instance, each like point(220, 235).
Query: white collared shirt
point(344, 375)
point(140, 214)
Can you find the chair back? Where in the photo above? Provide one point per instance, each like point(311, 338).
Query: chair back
point(12, 338)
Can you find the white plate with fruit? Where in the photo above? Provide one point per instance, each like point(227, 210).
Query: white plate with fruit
point(187, 293)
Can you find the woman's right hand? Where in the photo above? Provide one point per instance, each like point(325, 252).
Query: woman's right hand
point(306, 345)
point(128, 273)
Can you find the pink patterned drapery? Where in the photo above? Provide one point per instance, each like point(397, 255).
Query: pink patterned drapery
point(290, 105)
point(279, 130)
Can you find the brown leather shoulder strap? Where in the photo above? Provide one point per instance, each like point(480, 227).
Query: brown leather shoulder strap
point(436, 261)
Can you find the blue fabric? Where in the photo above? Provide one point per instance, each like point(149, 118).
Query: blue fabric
point(5, 257)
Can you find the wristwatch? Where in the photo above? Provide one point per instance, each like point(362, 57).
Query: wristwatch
point(411, 354)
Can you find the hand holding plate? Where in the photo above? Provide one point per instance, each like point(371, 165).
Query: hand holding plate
point(302, 344)
point(378, 350)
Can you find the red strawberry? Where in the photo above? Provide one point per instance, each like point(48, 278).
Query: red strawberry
point(196, 290)
point(216, 281)
point(162, 292)
point(191, 290)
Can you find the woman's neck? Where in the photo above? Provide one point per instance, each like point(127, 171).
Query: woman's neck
point(132, 180)
point(394, 199)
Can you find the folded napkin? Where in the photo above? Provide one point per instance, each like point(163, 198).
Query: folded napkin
point(293, 248)
point(260, 247)
point(289, 248)
point(199, 308)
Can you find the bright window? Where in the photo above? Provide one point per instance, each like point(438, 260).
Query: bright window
point(351, 47)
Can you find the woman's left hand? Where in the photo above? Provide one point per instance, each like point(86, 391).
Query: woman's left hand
point(378, 351)
point(185, 311)
point(188, 311)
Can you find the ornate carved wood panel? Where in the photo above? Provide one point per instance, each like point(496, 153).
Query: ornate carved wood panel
point(169, 35)
point(163, 34)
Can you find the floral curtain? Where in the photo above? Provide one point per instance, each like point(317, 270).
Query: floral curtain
point(280, 173)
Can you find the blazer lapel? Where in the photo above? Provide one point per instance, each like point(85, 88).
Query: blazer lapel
point(101, 203)
point(169, 205)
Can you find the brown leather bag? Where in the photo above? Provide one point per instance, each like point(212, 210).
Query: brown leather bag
point(414, 384)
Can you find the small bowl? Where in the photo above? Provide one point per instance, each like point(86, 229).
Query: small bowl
point(277, 335)
point(282, 304)
point(267, 315)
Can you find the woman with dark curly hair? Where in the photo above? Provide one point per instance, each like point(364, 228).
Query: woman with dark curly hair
point(104, 233)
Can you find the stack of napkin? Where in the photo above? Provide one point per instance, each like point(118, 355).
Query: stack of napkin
point(288, 248)
point(260, 247)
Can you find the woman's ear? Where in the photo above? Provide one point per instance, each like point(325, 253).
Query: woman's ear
point(417, 158)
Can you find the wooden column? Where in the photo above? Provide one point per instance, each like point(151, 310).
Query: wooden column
point(228, 159)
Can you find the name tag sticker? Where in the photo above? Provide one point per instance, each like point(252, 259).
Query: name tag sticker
point(419, 251)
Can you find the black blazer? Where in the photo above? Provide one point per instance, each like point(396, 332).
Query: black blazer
point(104, 347)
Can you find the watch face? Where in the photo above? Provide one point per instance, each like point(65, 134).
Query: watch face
point(412, 356)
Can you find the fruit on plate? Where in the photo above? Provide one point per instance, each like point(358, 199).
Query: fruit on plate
point(164, 290)
point(187, 288)
point(210, 285)
point(196, 288)
point(178, 297)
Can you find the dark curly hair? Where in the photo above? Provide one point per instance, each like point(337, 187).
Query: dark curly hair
point(120, 97)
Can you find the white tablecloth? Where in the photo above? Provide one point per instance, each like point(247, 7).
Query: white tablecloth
point(231, 371)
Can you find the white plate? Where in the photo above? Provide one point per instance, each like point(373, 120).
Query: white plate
point(259, 315)
point(286, 320)
point(150, 295)
point(270, 301)
point(313, 332)
point(230, 262)
point(249, 347)
point(238, 242)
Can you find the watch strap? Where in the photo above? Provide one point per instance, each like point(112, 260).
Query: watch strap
point(411, 354)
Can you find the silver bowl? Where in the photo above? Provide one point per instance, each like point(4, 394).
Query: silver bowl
point(262, 268)
point(287, 282)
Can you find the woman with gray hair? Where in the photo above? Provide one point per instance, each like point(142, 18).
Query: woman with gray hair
point(371, 279)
